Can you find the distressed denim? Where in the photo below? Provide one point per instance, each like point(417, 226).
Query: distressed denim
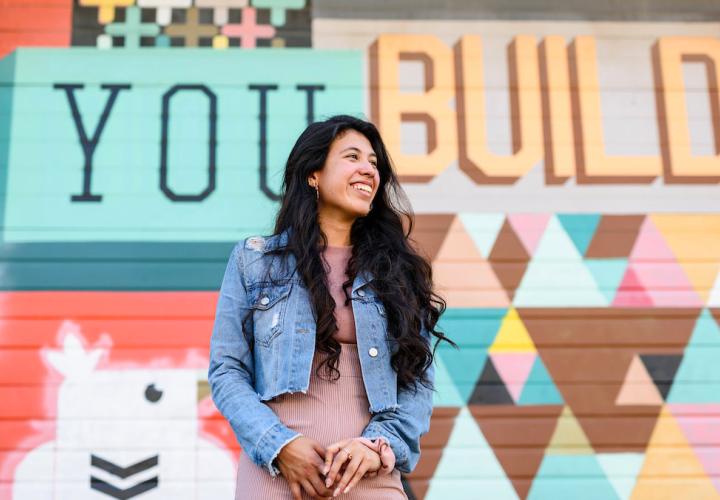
point(283, 337)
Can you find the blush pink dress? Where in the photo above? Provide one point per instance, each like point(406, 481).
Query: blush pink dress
point(330, 410)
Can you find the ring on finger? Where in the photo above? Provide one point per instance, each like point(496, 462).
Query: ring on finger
point(349, 455)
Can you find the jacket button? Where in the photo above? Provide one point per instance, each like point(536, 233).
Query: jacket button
point(373, 352)
point(361, 293)
point(265, 301)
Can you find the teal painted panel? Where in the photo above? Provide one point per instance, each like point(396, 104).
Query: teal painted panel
point(201, 87)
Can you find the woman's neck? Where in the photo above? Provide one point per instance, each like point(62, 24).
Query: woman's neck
point(336, 231)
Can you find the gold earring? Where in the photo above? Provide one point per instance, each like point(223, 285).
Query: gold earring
point(317, 193)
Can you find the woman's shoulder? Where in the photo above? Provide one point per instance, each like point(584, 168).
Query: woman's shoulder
point(259, 265)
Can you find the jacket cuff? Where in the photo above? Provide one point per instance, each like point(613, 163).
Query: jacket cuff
point(398, 447)
point(270, 444)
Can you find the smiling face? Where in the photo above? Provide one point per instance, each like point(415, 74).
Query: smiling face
point(349, 178)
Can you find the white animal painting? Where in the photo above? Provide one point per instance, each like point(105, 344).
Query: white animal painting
point(123, 433)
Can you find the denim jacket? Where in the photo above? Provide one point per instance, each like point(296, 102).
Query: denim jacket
point(241, 380)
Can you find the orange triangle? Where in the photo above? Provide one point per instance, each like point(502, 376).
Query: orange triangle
point(671, 469)
point(638, 387)
point(462, 276)
point(695, 241)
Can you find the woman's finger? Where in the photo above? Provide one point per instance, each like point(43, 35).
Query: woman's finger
point(359, 474)
point(319, 485)
point(330, 452)
point(350, 470)
point(295, 488)
point(308, 487)
point(340, 458)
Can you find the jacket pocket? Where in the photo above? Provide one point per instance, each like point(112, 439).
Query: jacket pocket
point(269, 305)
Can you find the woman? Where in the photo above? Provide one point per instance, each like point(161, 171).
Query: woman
point(320, 354)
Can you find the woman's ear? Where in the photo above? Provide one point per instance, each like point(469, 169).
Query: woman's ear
point(314, 180)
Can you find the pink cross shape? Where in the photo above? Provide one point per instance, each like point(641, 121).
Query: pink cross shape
point(248, 30)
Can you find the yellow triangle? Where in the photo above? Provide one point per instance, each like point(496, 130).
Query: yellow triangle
point(513, 336)
point(569, 438)
point(671, 470)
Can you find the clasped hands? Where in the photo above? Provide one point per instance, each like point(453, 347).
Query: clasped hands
point(306, 464)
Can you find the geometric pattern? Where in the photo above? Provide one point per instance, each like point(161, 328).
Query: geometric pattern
point(585, 351)
point(217, 24)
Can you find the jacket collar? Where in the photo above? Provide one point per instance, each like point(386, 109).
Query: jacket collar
point(281, 239)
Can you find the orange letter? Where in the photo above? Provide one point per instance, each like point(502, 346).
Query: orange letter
point(594, 165)
point(476, 160)
point(390, 107)
point(681, 165)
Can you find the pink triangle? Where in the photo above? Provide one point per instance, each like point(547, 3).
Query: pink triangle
point(650, 244)
point(631, 292)
point(638, 387)
point(529, 228)
point(656, 267)
point(700, 424)
point(514, 369)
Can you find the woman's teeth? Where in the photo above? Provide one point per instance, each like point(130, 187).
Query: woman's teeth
point(363, 187)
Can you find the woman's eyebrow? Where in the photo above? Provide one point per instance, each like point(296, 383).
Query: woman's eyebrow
point(356, 149)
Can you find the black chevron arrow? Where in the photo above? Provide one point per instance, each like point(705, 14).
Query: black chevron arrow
point(110, 490)
point(123, 472)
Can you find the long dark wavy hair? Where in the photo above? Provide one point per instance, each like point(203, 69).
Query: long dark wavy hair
point(380, 244)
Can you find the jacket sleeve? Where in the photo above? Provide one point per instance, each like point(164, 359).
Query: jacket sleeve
point(403, 427)
point(258, 429)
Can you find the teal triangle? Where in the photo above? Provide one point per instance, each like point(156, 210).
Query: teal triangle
point(446, 393)
point(468, 464)
point(539, 388)
point(473, 330)
point(483, 229)
point(698, 377)
point(570, 477)
point(581, 228)
point(621, 470)
point(556, 276)
point(608, 274)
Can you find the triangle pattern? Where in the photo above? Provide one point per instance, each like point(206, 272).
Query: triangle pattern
point(662, 368)
point(693, 239)
point(519, 447)
point(483, 229)
point(607, 274)
point(631, 292)
point(714, 300)
point(571, 477)
point(539, 388)
point(490, 388)
point(580, 228)
point(529, 228)
point(670, 457)
point(441, 426)
point(513, 336)
point(622, 470)
point(638, 387)
point(513, 369)
point(509, 259)
point(473, 330)
point(700, 424)
point(468, 455)
point(657, 269)
point(447, 394)
point(698, 378)
point(459, 269)
point(557, 276)
point(569, 438)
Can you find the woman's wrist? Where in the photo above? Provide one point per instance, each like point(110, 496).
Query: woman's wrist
point(380, 446)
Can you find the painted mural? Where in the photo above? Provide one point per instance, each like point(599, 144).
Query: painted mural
point(564, 170)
